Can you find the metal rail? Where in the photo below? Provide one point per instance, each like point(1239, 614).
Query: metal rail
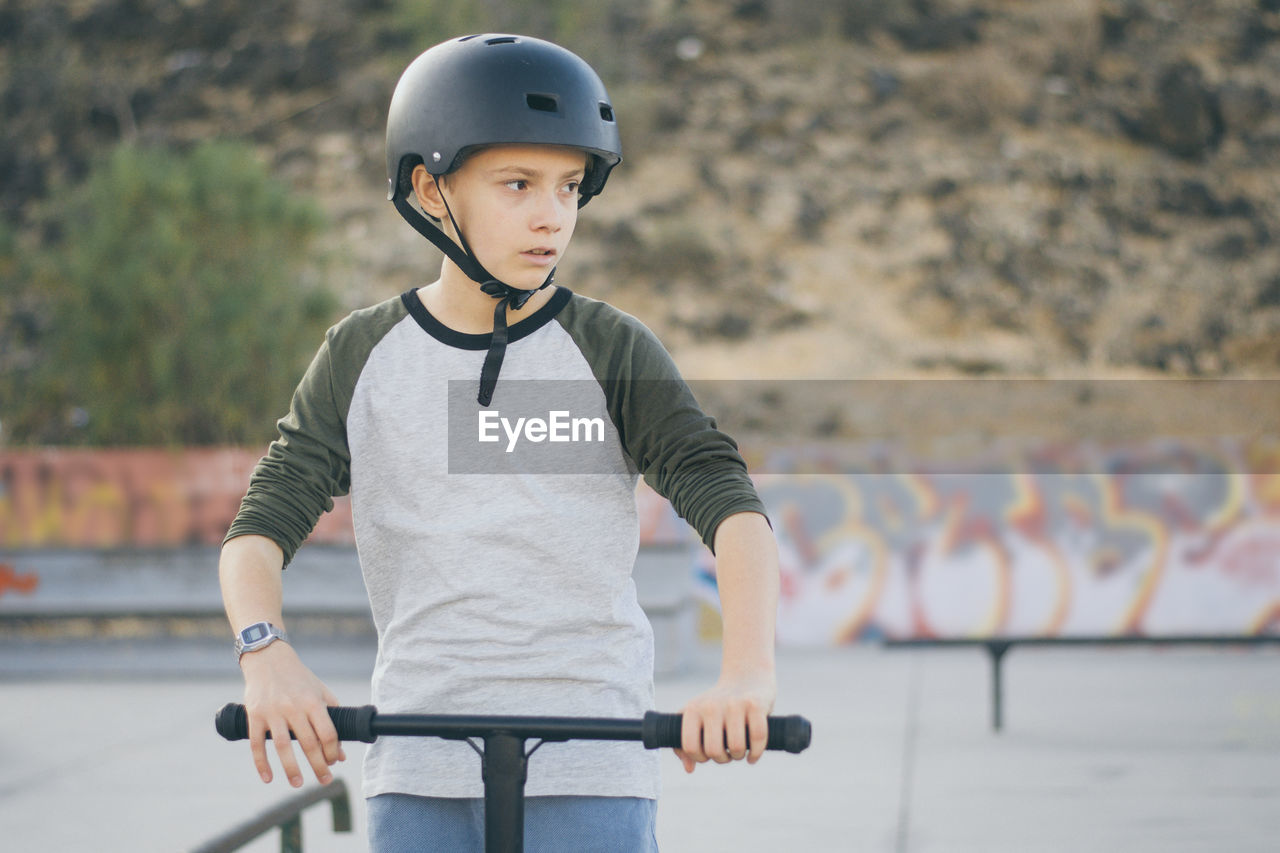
point(287, 817)
point(998, 647)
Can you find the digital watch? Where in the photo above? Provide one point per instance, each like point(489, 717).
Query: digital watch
point(257, 636)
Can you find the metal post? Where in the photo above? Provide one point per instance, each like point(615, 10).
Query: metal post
point(997, 651)
point(291, 835)
point(505, 770)
point(341, 811)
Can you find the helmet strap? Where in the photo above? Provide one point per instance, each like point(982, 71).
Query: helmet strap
point(465, 260)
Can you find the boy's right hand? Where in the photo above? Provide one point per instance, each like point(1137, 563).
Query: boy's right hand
point(282, 695)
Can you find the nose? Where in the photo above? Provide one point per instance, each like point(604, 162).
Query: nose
point(548, 213)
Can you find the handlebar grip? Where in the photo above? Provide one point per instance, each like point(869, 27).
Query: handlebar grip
point(785, 733)
point(232, 722)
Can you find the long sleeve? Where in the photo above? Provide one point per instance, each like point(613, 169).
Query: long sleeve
point(677, 447)
point(309, 463)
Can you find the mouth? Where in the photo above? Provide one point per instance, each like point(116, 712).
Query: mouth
point(541, 254)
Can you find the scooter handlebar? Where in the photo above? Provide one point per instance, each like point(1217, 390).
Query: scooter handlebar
point(656, 730)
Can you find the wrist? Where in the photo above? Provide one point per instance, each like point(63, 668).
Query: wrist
point(739, 659)
point(754, 672)
point(266, 656)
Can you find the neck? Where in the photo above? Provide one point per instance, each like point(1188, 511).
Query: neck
point(457, 302)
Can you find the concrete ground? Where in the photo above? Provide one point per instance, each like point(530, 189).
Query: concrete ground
point(1103, 750)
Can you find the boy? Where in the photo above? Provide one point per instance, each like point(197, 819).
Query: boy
point(510, 592)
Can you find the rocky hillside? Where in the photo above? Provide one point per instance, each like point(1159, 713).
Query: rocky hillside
point(812, 188)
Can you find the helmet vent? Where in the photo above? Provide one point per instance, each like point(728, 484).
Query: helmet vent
point(543, 103)
point(606, 112)
point(502, 40)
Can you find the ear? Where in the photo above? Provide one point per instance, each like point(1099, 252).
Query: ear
point(428, 192)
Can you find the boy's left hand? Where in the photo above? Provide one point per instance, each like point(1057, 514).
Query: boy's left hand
point(728, 722)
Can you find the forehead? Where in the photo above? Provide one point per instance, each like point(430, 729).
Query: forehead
point(552, 159)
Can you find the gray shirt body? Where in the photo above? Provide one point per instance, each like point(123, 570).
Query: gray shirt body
point(498, 561)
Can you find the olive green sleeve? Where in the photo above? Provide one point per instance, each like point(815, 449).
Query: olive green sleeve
point(309, 463)
point(678, 449)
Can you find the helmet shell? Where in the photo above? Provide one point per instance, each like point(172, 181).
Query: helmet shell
point(496, 89)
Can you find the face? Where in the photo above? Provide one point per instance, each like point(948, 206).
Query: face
point(516, 204)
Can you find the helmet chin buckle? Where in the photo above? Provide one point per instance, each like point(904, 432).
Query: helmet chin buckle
point(514, 297)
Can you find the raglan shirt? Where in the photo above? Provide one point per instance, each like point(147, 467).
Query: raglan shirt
point(497, 590)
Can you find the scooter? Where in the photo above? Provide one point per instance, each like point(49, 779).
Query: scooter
point(504, 761)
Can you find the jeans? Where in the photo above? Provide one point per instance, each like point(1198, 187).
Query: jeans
point(400, 823)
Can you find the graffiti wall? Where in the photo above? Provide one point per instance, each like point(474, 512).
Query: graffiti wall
point(159, 498)
point(1156, 540)
point(1153, 540)
point(131, 498)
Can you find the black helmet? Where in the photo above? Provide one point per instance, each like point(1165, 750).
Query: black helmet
point(497, 89)
point(494, 89)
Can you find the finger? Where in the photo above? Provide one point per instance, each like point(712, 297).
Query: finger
point(326, 735)
point(258, 746)
point(688, 762)
point(284, 749)
point(312, 749)
point(691, 736)
point(735, 732)
point(758, 724)
point(331, 701)
point(713, 736)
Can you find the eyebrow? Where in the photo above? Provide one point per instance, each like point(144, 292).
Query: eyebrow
point(526, 172)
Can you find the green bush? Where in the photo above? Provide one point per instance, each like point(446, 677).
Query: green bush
point(180, 305)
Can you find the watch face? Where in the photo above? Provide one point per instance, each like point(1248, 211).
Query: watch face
point(254, 633)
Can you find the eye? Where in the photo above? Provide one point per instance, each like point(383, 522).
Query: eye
point(517, 185)
point(572, 187)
